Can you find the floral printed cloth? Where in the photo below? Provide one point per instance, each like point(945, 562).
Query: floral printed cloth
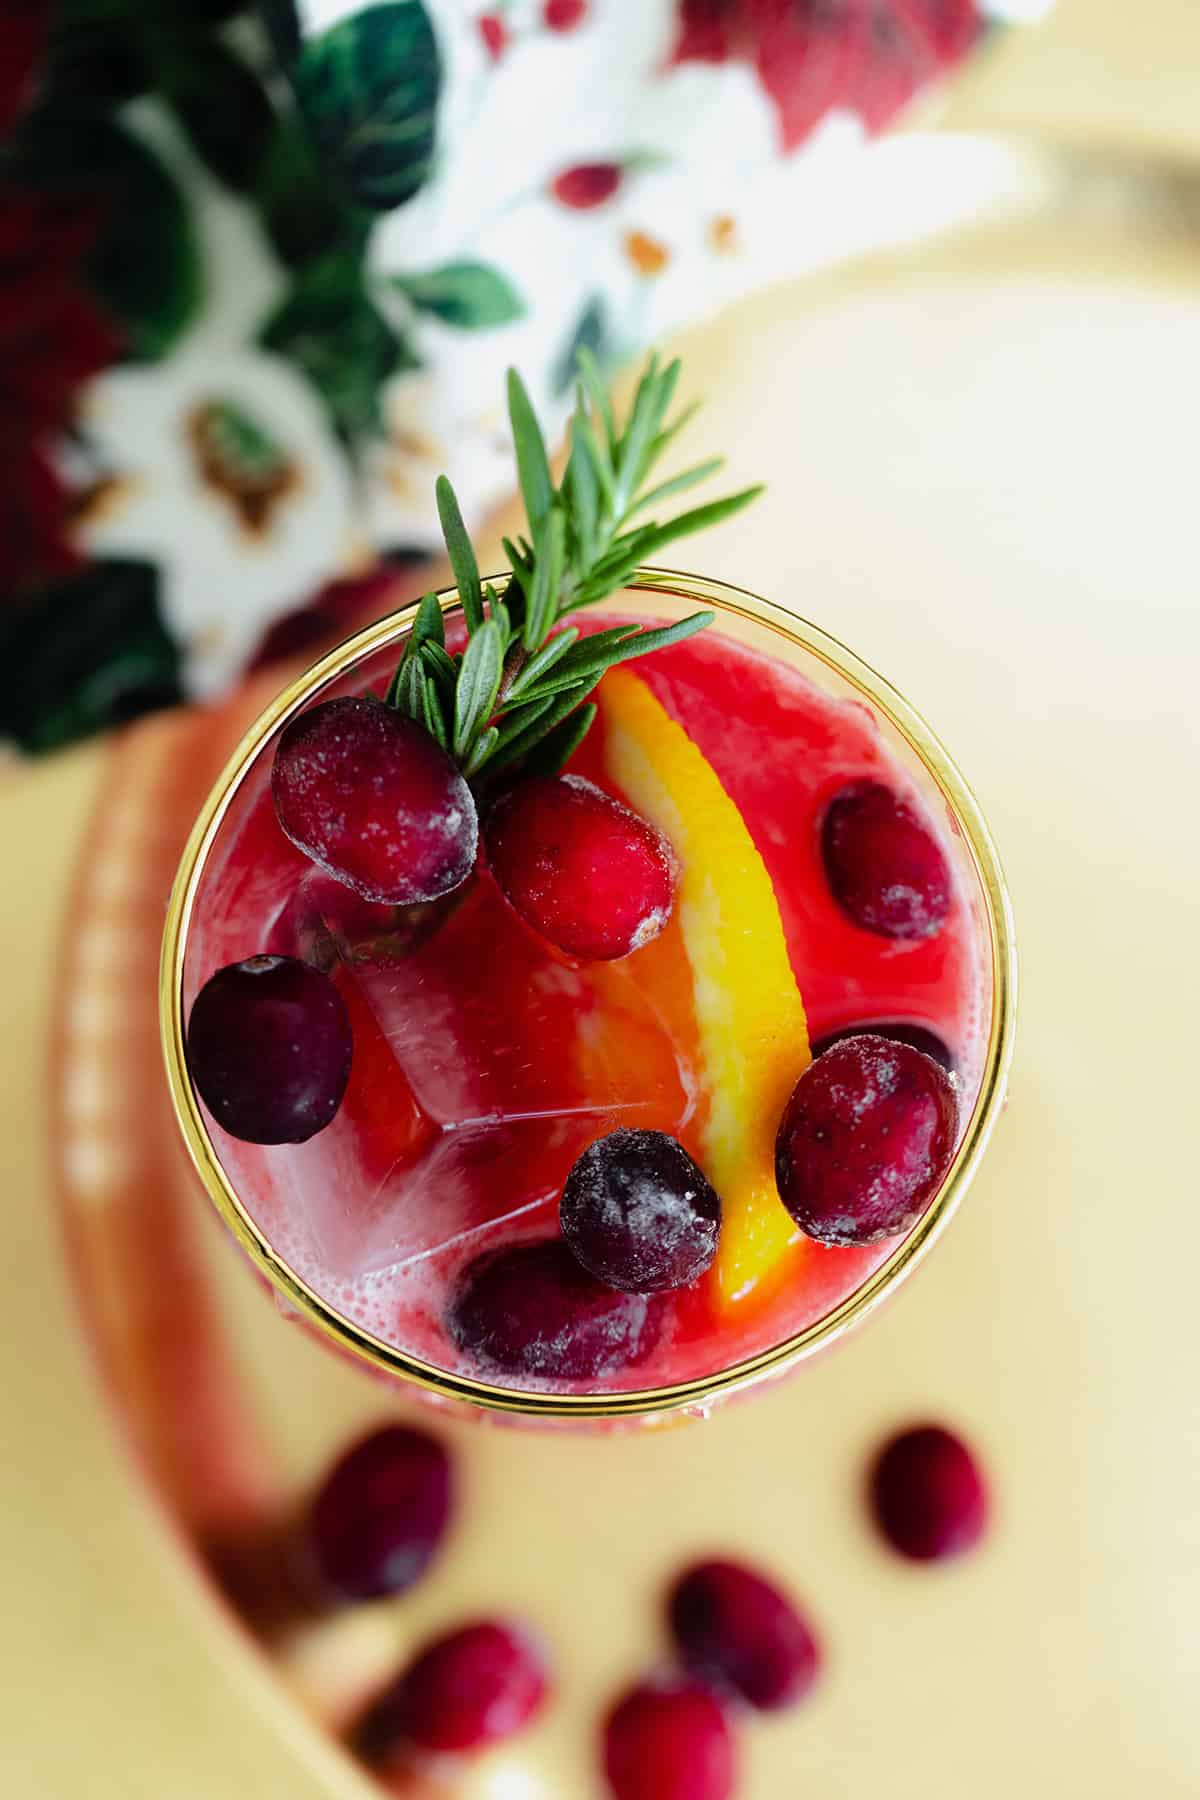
point(261, 271)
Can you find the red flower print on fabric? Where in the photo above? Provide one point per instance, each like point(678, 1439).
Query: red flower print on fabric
point(868, 56)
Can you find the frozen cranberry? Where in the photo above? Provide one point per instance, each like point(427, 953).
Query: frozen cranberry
point(381, 1513)
point(737, 1629)
point(531, 1310)
point(584, 871)
point(638, 1213)
point(669, 1740)
point(494, 33)
point(928, 1494)
point(898, 1031)
point(883, 863)
point(865, 1140)
point(473, 1687)
point(587, 185)
point(564, 15)
point(369, 796)
point(269, 1048)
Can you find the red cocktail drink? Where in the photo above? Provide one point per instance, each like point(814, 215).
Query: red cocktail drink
point(833, 879)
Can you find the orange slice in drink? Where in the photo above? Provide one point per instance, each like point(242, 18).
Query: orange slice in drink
point(751, 1031)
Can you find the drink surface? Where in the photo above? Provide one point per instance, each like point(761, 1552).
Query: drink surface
point(485, 1061)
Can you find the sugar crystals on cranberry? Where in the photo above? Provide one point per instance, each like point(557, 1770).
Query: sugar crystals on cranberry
point(532, 1310)
point(588, 874)
point(884, 865)
point(638, 1213)
point(372, 799)
point(865, 1140)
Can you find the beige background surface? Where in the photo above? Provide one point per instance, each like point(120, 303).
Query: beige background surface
point(986, 485)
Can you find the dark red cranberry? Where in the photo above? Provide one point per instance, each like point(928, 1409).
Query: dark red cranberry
point(587, 185)
point(369, 796)
point(883, 863)
point(494, 33)
point(381, 1513)
point(564, 15)
point(269, 1048)
point(585, 872)
point(669, 1740)
point(473, 1687)
point(531, 1310)
point(736, 1629)
point(639, 1214)
point(928, 1494)
point(898, 1031)
point(865, 1140)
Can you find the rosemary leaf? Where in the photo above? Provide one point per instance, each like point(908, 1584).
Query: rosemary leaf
point(461, 554)
point(670, 432)
point(519, 746)
point(545, 659)
point(443, 668)
point(698, 519)
point(591, 658)
point(428, 627)
point(547, 579)
point(484, 745)
point(533, 465)
point(559, 745)
point(678, 484)
point(583, 481)
point(520, 564)
point(478, 685)
point(519, 689)
point(432, 716)
point(598, 395)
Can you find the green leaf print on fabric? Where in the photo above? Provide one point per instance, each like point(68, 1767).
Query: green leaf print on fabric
point(330, 328)
point(369, 88)
point(144, 267)
point(222, 106)
point(83, 654)
point(282, 26)
point(471, 295)
point(591, 333)
point(301, 214)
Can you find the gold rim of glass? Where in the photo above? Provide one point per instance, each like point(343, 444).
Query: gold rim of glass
point(697, 1392)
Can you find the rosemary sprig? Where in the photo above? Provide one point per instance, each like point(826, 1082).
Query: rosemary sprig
point(518, 692)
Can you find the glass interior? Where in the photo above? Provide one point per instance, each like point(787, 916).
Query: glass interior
point(368, 1257)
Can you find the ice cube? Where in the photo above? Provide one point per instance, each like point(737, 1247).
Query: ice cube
point(485, 1063)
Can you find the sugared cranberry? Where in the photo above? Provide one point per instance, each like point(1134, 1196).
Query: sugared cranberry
point(735, 1628)
point(564, 15)
point(531, 1310)
point(269, 1048)
point(669, 1740)
point(587, 185)
point(584, 871)
point(369, 796)
point(928, 1494)
point(638, 1213)
point(473, 1687)
point(884, 865)
point(865, 1140)
point(494, 33)
point(381, 1513)
point(898, 1031)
